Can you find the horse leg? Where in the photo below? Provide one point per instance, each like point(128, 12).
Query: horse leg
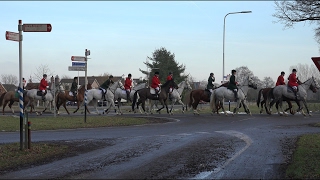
point(162, 103)
point(4, 105)
point(78, 106)
point(280, 106)
point(246, 108)
point(119, 106)
point(261, 109)
point(172, 103)
point(182, 105)
point(65, 107)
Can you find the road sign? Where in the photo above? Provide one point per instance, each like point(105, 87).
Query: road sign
point(78, 58)
point(80, 64)
point(12, 36)
point(76, 68)
point(316, 61)
point(87, 53)
point(36, 27)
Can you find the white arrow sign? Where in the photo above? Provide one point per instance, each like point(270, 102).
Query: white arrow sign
point(76, 68)
point(78, 58)
point(12, 36)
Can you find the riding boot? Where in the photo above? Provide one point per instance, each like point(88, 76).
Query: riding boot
point(157, 93)
point(128, 96)
point(104, 96)
point(43, 97)
point(170, 96)
point(295, 94)
point(235, 95)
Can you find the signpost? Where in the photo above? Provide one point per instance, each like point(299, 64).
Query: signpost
point(316, 61)
point(12, 36)
point(37, 27)
point(81, 66)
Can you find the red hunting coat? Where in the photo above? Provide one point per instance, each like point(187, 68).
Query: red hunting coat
point(155, 82)
point(280, 81)
point(127, 83)
point(293, 80)
point(43, 84)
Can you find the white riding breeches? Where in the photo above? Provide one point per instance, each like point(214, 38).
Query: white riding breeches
point(170, 90)
point(157, 88)
point(211, 90)
point(103, 90)
point(236, 90)
point(128, 90)
point(43, 91)
point(294, 87)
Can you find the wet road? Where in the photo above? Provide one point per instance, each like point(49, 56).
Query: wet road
point(201, 147)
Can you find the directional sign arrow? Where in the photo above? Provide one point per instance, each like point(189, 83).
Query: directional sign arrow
point(12, 36)
point(36, 27)
point(78, 58)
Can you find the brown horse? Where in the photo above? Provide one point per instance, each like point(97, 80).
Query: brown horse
point(9, 97)
point(63, 97)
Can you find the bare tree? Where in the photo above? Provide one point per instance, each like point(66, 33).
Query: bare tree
point(268, 82)
point(9, 79)
point(65, 77)
point(105, 74)
point(42, 69)
point(291, 12)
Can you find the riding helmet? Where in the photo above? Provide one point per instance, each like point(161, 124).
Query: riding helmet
point(294, 70)
point(110, 76)
point(233, 71)
point(129, 75)
point(211, 74)
point(170, 73)
point(282, 72)
point(44, 75)
point(156, 72)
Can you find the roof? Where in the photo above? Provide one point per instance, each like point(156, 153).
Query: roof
point(91, 79)
point(9, 87)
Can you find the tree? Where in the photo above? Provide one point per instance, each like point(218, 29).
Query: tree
point(9, 79)
point(291, 12)
point(268, 82)
point(42, 69)
point(65, 77)
point(164, 62)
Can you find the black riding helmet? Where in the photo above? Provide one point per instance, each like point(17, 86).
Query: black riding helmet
point(110, 76)
point(129, 75)
point(156, 72)
point(233, 71)
point(44, 75)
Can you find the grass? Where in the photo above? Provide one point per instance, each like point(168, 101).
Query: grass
point(11, 157)
point(306, 159)
point(10, 123)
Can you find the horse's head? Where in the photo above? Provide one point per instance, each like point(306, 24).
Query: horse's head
point(314, 85)
point(251, 83)
point(188, 85)
point(170, 83)
point(120, 85)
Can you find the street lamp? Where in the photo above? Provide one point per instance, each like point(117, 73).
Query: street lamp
point(224, 27)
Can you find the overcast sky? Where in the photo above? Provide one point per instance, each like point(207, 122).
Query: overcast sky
point(120, 35)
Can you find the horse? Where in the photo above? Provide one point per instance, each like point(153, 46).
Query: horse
point(122, 94)
point(144, 94)
point(10, 97)
point(96, 94)
point(279, 93)
point(222, 93)
point(35, 94)
point(176, 95)
point(63, 96)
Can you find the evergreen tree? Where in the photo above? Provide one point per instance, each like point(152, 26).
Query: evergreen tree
point(164, 62)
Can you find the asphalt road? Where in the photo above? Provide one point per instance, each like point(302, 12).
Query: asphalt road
point(201, 147)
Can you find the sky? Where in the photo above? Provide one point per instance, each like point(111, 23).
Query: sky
point(121, 34)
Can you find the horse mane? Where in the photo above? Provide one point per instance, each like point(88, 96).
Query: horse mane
point(166, 83)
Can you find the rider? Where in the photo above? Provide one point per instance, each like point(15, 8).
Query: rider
point(293, 82)
point(210, 84)
point(74, 88)
point(280, 80)
point(169, 78)
point(105, 86)
point(24, 83)
point(156, 83)
point(127, 86)
point(233, 84)
point(43, 86)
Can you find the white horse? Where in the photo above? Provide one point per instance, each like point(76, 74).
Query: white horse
point(282, 91)
point(96, 94)
point(34, 95)
point(122, 94)
point(219, 95)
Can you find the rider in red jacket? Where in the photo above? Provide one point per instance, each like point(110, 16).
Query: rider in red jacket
point(127, 86)
point(293, 81)
point(43, 86)
point(280, 80)
point(169, 78)
point(156, 82)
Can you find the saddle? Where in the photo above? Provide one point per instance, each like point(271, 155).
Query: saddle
point(208, 92)
point(103, 91)
point(290, 89)
point(153, 91)
point(39, 93)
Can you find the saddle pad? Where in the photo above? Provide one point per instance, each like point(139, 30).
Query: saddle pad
point(290, 89)
point(39, 93)
point(153, 91)
point(124, 92)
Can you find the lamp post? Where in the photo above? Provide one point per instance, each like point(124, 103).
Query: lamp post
point(224, 27)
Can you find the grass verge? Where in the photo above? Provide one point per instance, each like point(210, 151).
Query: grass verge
point(305, 163)
point(10, 123)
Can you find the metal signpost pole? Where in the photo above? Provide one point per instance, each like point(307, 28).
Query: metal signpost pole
point(85, 87)
point(20, 84)
point(54, 96)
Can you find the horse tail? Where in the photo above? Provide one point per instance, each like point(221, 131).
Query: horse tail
point(134, 101)
point(259, 97)
point(269, 96)
point(212, 101)
point(190, 99)
point(1, 98)
point(57, 100)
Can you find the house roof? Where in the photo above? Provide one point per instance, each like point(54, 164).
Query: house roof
point(9, 87)
point(91, 79)
point(34, 85)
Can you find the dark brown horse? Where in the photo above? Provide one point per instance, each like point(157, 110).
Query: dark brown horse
point(63, 97)
point(143, 94)
point(10, 97)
